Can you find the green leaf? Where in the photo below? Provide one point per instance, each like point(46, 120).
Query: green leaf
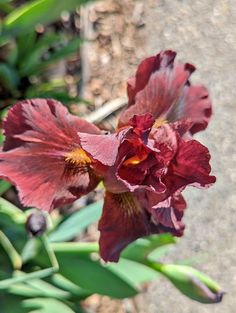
point(77, 222)
point(47, 289)
point(5, 1)
point(1, 138)
point(38, 288)
point(141, 248)
point(5, 6)
point(8, 77)
point(134, 272)
point(23, 290)
point(63, 283)
point(11, 211)
point(4, 186)
point(43, 12)
point(30, 249)
point(3, 113)
point(42, 305)
point(26, 45)
point(31, 59)
point(11, 304)
point(92, 276)
point(61, 53)
point(11, 251)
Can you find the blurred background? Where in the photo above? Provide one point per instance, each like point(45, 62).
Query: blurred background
point(83, 57)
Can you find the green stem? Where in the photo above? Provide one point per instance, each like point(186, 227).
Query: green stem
point(154, 265)
point(38, 274)
point(51, 253)
point(4, 284)
point(80, 247)
point(11, 251)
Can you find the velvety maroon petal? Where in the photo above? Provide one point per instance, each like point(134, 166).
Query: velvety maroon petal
point(42, 155)
point(195, 105)
point(142, 123)
point(170, 212)
point(190, 167)
point(165, 141)
point(144, 71)
point(37, 119)
point(103, 148)
point(43, 179)
point(162, 88)
point(123, 221)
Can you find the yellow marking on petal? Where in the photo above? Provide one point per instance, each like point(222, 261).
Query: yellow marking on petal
point(135, 160)
point(78, 157)
point(129, 204)
point(159, 122)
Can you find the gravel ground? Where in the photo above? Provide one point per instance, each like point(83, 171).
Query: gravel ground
point(203, 33)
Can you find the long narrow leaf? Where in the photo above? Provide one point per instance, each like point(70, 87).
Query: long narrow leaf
point(8, 77)
point(141, 248)
point(62, 53)
point(93, 276)
point(42, 305)
point(43, 12)
point(77, 222)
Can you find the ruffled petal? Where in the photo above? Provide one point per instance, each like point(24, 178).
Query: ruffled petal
point(142, 124)
point(190, 167)
point(162, 88)
point(169, 213)
point(39, 119)
point(164, 139)
point(123, 221)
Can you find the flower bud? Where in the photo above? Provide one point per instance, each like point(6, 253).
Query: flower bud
point(192, 283)
point(36, 223)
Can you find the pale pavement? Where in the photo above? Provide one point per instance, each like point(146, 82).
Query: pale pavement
point(203, 33)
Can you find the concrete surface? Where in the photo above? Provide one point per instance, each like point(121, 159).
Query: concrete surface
point(203, 33)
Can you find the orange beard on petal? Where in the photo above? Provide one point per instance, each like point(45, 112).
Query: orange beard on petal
point(78, 156)
point(128, 203)
point(76, 161)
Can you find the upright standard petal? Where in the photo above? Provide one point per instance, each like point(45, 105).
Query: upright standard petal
point(161, 87)
point(42, 154)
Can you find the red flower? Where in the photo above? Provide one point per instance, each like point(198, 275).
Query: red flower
point(42, 154)
point(152, 167)
point(53, 157)
point(161, 87)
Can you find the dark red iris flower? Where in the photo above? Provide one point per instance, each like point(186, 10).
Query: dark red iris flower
point(162, 87)
point(42, 154)
point(53, 157)
point(154, 164)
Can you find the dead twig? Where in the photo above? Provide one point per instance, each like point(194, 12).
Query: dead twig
point(106, 110)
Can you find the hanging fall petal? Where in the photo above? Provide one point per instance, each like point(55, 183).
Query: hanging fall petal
point(42, 154)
